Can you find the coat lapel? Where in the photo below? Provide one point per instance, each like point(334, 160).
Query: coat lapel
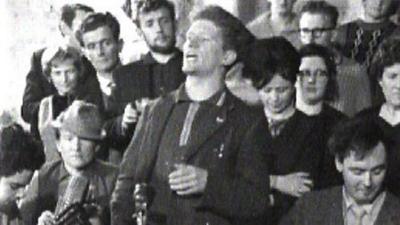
point(217, 118)
point(388, 213)
point(335, 214)
point(152, 135)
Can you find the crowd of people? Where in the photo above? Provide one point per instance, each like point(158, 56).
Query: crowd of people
point(292, 119)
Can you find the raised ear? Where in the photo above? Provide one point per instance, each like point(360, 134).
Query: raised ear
point(338, 164)
point(229, 57)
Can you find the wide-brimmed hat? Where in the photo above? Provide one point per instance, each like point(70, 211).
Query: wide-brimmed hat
point(82, 119)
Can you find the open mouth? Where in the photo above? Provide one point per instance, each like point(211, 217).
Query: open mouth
point(191, 56)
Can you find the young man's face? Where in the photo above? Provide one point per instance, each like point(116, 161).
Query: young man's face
point(203, 49)
point(390, 84)
point(64, 75)
point(158, 29)
point(102, 49)
point(12, 190)
point(377, 9)
point(75, 152)
point(363, 178)
point(315, 28)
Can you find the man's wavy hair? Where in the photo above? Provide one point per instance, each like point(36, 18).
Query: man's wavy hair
point(18, 151)
point(96, 20)
point(146, 6)
point(235, 35)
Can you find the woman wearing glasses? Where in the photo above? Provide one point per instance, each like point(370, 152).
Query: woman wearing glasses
point(316, 87)
point(294, 150)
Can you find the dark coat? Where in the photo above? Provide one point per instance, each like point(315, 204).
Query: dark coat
point(134, 82)
point(38, 86)
point(237, 185)
point(298, 148)
point(326, 208)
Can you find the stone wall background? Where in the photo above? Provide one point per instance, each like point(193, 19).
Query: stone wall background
point(28, 25)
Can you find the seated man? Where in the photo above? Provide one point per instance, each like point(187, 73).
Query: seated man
point(77, 178)
point(19, 158)
point(361, 157)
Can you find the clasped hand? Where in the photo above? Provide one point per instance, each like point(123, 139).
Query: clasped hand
point(187, 179)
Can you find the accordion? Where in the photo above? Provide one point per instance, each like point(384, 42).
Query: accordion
point(71, 206)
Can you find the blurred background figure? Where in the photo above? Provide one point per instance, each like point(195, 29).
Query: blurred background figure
point(20, 156)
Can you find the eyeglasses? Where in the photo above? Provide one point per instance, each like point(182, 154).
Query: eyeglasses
point(317, 73)
point(316, 32)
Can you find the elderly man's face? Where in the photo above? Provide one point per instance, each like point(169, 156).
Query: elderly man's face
point(390, 84)
point(12, 190)
point(75, 151)
point(363, 178)
point(315, 28)
point(203, 49)
point(102, 49)
point(377, 9)
point(64, 75)
point(158, 29)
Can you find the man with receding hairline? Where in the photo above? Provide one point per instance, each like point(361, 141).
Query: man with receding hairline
point(203, 160)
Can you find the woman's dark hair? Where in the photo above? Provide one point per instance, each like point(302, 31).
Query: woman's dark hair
point(18, 151)
point(387, 55)
point(270, 57)
point(315, 50)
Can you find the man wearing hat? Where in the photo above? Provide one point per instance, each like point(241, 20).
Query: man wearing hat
point(19, 158)
point(78, 177)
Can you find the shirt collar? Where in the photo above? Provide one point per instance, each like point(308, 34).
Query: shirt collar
point(371, 209)
point(90, 169)
point(148, 59)
point(217, 99)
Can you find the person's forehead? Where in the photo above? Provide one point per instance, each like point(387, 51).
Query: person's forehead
point(204, 28)
point(155, 14)
point(308, 19)
point(98, 34)
point(374, 157)
point(312, 62)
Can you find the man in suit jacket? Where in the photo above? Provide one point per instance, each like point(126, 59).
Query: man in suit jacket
point(38, 85)
point(360, 155)
point(199, 149)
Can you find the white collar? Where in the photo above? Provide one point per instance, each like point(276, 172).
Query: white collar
point(392, 117)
